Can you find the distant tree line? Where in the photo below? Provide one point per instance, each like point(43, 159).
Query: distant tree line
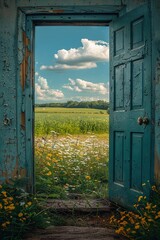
point(99, 104)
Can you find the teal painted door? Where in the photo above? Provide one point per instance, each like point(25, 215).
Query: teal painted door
point(130, 106)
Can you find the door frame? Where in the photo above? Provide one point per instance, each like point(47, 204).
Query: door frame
point(27, 21)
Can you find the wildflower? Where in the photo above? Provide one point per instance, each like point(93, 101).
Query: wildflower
point(4, 194)
point(154, 188)
point(1, 206)
point(88, 177)
point(111, 219)
point(20, 214)
point(10, 198)
point(119, 230)
point(148, 207)
point(158, 215)
point(154, 206)
point(140, 198)
point(49, 173)
point(4, 225)
point(29, 203)
point(143, 221)
point(137, 226)
point(124, 223)
point(0, 186)
point(150, 220)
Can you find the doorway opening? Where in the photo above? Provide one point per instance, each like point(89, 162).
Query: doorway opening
point(71, 131)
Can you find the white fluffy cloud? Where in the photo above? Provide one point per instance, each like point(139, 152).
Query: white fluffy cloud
point(44, 93)
point(79, 66)
point(80, 85)
point(82, 98)
point(84, 57)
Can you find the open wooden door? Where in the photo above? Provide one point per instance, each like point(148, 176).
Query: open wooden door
point(130, 106)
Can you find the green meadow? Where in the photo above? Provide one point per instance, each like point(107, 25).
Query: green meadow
point(71, 152)
point(70, 121)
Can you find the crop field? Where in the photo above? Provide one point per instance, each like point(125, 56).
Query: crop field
point(71, 159)
point(70, 120)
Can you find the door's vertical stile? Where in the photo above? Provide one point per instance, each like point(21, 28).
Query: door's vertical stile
point(127, 170)
point(29, 106)
point(20, 85)
point(111, 102)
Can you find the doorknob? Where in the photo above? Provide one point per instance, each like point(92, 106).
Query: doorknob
point(142, 120)
point(145, 120)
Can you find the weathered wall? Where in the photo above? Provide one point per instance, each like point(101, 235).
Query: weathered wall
point(8, 52)
point(156, 81)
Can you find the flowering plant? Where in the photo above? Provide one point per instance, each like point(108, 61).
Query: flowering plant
point(143, 222)
point(19, 212)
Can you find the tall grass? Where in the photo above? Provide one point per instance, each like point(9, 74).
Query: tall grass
point(70, 121)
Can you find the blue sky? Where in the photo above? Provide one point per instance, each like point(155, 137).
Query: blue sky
point(71, 63)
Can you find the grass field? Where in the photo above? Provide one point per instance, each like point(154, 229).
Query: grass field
point(71, 152)
point(70, 120)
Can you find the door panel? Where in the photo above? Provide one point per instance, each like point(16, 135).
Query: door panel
point(130, 101)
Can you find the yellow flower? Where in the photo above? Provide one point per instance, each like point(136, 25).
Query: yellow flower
point(4, 194)
point(88, 177)
point(150, 220)
point(140, 198)
point(49, 173)
point(148, 207)
point(29, 203)
point(4, 225)
point(137, 226)
point(124, 223)
point(1, 206)
point(118, 231)
point(154, 188)
point(10, 207)
point(143, 220)
point(0, 186)
point(158, 215)
point(20, 214)
point(111, 219)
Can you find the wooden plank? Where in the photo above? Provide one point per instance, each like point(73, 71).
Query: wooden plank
point(36, 3)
